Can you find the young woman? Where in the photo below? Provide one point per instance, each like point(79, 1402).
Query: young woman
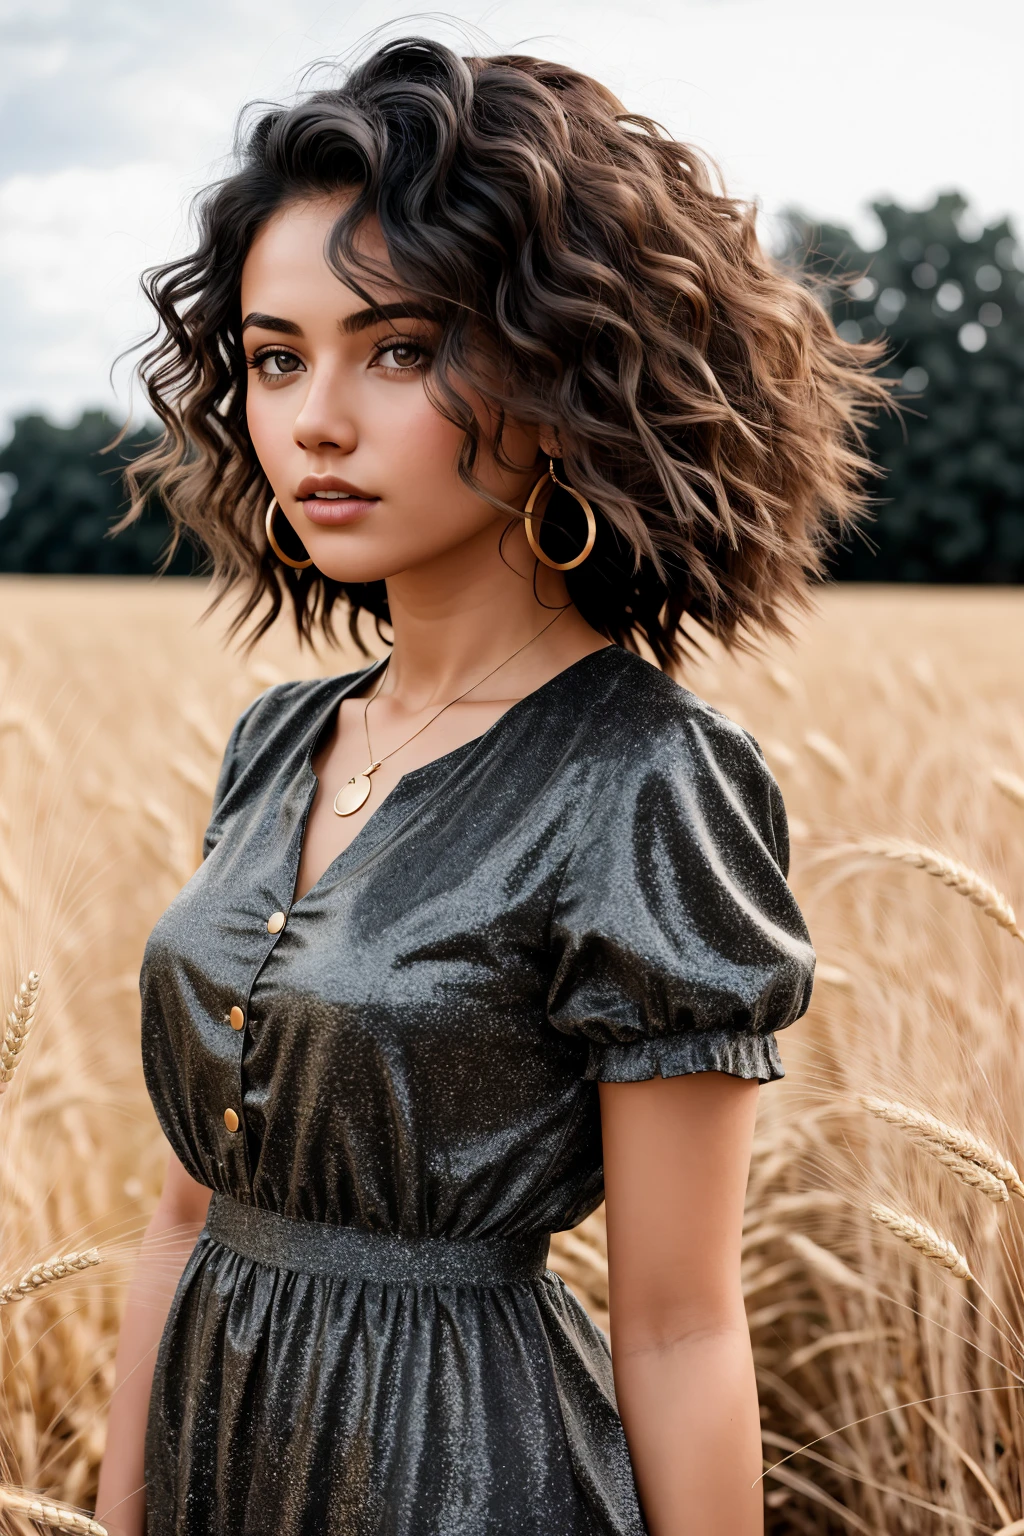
point(496, 926)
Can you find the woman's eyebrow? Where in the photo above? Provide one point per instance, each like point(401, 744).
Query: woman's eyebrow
point(363, 318)
point(271, 323)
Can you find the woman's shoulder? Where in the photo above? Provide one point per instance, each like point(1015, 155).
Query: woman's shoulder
point(649, 714)
point(671, 760)
point(663, 745)
point(286, 707)
point(276, 726)
point(278, 721)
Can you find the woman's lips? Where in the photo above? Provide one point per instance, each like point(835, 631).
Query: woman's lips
point(335, 513)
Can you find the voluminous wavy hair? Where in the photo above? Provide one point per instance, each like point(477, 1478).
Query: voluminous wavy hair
point(590, 273)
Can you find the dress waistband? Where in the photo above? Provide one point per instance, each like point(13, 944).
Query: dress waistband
point(319, 1248)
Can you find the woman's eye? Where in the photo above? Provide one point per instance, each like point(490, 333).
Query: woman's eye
point(403, 356)
point(274, 365)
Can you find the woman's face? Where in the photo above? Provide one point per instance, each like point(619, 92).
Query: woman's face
point(364, 467)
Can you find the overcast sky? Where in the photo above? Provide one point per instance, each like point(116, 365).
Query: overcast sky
point(113, 112)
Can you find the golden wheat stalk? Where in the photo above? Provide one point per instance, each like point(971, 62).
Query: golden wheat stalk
point(832, 975)
point(19, 1022)
point(46, 1274)
point(952, 1138)
point(830, 753)
point(960, 877)
point(59, 1517)
point(922, 1237)
point(827, 1263)
point(1009, 784)
point(971, 1174)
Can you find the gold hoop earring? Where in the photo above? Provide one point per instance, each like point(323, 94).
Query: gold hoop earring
point(531, 538)
point(296, 565)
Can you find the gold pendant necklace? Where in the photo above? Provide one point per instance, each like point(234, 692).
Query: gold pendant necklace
point(355, 793)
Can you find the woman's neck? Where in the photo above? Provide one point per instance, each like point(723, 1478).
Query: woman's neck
point(456, 619)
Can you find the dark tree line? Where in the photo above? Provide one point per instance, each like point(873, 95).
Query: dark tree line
point(950, 302)
point(67, 491)
point(950, 508)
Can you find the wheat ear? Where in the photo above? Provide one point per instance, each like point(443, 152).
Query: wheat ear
point(1009, 784)
point(971, 1174)
point(924, 1238)
point(830, 753)
point(57, 1516)
point(19, 1022)
point(951, 1138)
point(960, 877)
point(46, 1274)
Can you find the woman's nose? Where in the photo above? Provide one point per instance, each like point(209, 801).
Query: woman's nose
point(325, 420)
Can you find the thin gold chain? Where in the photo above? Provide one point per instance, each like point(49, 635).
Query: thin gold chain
point(375, 764)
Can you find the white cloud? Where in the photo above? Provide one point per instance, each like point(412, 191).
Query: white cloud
point(114, 111)
point(72, 245)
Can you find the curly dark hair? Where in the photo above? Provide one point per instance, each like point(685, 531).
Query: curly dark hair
point(588, 272)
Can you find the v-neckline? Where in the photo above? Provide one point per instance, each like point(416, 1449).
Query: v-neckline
point(329, 717)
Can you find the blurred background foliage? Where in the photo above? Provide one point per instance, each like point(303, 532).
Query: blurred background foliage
point(949, 297)
point(947, 294)
point(63, 491)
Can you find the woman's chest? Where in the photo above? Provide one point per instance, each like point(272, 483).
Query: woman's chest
point(429, 946)
point(401, 1006)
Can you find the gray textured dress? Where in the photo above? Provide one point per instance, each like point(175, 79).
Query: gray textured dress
point(365, 1341)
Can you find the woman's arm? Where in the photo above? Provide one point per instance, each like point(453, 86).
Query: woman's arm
point(676, 1159)
point(170, 1238)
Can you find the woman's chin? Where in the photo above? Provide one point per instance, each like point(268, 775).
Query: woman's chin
point(346, 558)
point(357, 572)
point(351, 553)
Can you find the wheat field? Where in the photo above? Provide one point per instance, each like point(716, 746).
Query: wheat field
point(884, 1247)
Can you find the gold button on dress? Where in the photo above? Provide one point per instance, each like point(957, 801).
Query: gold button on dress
point(275, 922)
point(236, 1018)
point(231, 1120)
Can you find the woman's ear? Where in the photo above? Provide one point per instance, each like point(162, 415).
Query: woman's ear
point(549, 443)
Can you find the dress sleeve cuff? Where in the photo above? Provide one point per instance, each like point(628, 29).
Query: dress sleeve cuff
point(739, 1053)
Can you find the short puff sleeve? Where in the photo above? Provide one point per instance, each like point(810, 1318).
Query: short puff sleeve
point(678, 944)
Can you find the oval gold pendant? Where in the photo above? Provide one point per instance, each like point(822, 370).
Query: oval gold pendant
point(352, 795)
